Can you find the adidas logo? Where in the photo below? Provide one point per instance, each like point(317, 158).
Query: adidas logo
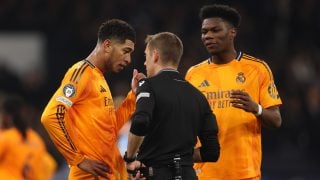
point(102, 89)
point(204, 83)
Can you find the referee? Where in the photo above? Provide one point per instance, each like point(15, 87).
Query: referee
point(170, 114)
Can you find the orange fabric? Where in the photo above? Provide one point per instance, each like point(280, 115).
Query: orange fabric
point(16, 154)
point(239, 131)
point(43, 166)
point(82, 121)
point(253, 178)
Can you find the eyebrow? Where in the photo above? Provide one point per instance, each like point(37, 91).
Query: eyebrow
point(128, 49)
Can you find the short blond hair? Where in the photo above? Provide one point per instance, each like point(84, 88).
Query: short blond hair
point(169, 45)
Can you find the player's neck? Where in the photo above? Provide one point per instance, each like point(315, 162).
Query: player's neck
point(224, 57)
point(160, 68)
point(96, 59)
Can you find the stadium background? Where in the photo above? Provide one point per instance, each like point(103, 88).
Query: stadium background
point(285, 33)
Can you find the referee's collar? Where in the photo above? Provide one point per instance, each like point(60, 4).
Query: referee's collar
point(168, 70)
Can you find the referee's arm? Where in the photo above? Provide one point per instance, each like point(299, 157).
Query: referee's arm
point(141, 118)
point(210, 147)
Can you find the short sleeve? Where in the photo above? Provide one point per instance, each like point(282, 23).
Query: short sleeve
point(269, 95)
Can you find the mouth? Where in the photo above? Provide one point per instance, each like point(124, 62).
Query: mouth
point(122, 66)
point(210, 45)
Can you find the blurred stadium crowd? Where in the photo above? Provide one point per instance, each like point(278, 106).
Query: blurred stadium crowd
point(284, 33)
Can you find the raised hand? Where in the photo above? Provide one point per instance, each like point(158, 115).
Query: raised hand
point(242, 100)
point(136, 76)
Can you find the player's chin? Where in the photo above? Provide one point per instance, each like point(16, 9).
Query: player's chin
point(212, 50)
point(118, 69)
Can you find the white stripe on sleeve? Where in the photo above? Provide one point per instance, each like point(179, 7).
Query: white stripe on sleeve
point(142, 94)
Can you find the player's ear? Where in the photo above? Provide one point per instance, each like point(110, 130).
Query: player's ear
point(156, 55)
point(233, 33)
point(107, 45)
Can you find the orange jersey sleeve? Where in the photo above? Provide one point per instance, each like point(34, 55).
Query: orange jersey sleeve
point(239, 131)
point(82, 121)
point(125, 110)
point(56, 116)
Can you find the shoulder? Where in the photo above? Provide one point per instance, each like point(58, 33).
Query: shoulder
point(199, 66)
point(77, 80)
point(144, 83)
point(143, 89)
point(248, 59)
point(258, 63)
point(34, 135)
point(78, 70)
point(35, 138)
point(8, 134)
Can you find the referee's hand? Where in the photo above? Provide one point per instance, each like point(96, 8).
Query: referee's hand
point(136, 76)
point(138, 176)
point(95, 167)
point(134, 166)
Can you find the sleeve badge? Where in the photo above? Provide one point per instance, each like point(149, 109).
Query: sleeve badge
point(141, 83)
point(69, 90)
point(272, 90)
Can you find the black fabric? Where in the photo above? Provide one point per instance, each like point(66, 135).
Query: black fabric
point(144, 107)
point(176, 114)
point(210, 149)
point(166, 173)
point(139, 124)
point(128, 160)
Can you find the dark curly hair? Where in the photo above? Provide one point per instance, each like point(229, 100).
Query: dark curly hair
point(116, 29)
point(225, 12)
point(13, 106)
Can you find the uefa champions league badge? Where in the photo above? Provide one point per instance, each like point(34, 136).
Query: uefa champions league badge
point(273, 92)
point(69, 90)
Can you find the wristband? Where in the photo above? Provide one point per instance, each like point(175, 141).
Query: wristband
point(128, 160)
point(259, 110)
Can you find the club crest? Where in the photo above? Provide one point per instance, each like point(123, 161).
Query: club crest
point(69, 90)
point(240, 79)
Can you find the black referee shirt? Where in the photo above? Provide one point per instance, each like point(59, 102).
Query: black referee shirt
point(171, 113)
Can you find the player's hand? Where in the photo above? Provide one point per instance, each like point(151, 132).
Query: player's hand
point(136, 76)
point(134, 166)
point(138, 176)
point(95, 167)
point(26, 171)
point(242, 100)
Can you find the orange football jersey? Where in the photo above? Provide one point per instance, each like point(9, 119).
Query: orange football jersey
point(82, 121)
point(239, 131)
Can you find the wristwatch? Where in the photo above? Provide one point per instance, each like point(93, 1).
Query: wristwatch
point(128, 160)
